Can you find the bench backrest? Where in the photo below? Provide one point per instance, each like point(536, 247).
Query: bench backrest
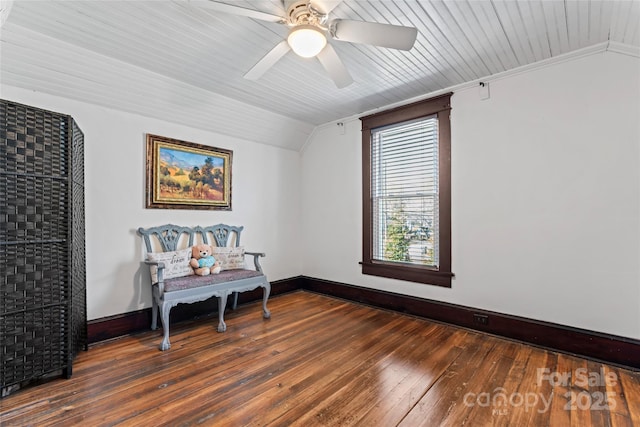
point(170, 237)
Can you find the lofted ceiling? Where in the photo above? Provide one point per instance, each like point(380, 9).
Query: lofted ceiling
point(177, 61)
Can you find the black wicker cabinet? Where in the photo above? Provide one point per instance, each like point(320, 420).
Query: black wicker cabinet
point(43, 321)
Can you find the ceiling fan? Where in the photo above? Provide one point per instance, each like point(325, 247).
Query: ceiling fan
point(309, 29)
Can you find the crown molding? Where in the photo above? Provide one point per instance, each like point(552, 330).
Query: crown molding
point(624, 49)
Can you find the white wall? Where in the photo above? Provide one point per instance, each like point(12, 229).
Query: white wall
point(265, 198)
point(545, 198)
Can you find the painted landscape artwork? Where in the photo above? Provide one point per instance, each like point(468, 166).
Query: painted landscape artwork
point(185, 175)
point(189, 175)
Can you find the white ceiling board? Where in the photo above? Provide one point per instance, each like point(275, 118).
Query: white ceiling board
point(150, 57)
point(494, 34)
point(104, 81)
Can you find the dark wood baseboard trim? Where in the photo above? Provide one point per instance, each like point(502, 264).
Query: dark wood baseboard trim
point(593, 345)
point(138, 321)
point(584, 343)
point(118, 325)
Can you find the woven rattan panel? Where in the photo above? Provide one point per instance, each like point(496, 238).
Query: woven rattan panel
point(42, 259)
point(78, 260)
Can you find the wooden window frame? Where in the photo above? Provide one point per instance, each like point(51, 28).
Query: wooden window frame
point(442, 275)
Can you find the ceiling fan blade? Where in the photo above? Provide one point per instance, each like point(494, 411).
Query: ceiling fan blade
point(237, 10)
point(384, 35)
point(325, 6)
point(334, 67)
point(268, 61)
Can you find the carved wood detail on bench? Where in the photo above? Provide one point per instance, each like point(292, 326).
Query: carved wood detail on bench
point(167, 293)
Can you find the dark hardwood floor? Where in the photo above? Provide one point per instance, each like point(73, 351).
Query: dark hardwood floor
point(327, 362)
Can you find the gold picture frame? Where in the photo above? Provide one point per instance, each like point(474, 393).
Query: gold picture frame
point(186, 175)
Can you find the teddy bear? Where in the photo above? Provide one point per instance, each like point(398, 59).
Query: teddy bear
point(202, 262)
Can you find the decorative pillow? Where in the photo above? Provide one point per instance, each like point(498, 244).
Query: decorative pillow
point(176, 264)
point(229, 258)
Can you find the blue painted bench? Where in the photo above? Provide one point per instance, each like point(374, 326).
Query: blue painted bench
point(168, 292)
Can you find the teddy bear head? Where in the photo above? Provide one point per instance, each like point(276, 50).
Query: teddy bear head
point(201, 251)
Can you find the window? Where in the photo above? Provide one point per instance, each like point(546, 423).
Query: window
point(406, 164)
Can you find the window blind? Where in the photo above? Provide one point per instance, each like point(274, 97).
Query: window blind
point(404, 192)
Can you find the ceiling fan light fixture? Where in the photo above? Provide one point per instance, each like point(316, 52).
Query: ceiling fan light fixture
point(306, 40)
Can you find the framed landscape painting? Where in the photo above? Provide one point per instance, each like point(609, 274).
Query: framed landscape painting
point(185, 175)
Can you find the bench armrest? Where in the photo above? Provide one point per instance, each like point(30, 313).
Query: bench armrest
point(156, 263)
point(256, 259)
point(159, 272)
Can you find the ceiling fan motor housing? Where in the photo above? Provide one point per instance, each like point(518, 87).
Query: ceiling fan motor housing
point(300, 12)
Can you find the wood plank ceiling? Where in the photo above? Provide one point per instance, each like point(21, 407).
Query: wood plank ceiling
point(176, 61)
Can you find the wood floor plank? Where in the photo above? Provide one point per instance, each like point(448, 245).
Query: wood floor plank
point(559, 415)
point(319, 361)
point(501, 406)
point(303, 387)
point(618, 407)
point(233, 366)
point(493, 381)
point(596, 390)
point(290, 364)
point(390, 408)
point(579, 415)
point(630, 384)
point(446, 396)
point(376, 378)
point(534, 394)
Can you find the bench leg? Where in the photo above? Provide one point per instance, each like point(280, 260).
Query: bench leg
point(155, 301)
point(235, 300)
point(222, 303)
point(166, 308)
point(154, 313)
point(265, 296)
